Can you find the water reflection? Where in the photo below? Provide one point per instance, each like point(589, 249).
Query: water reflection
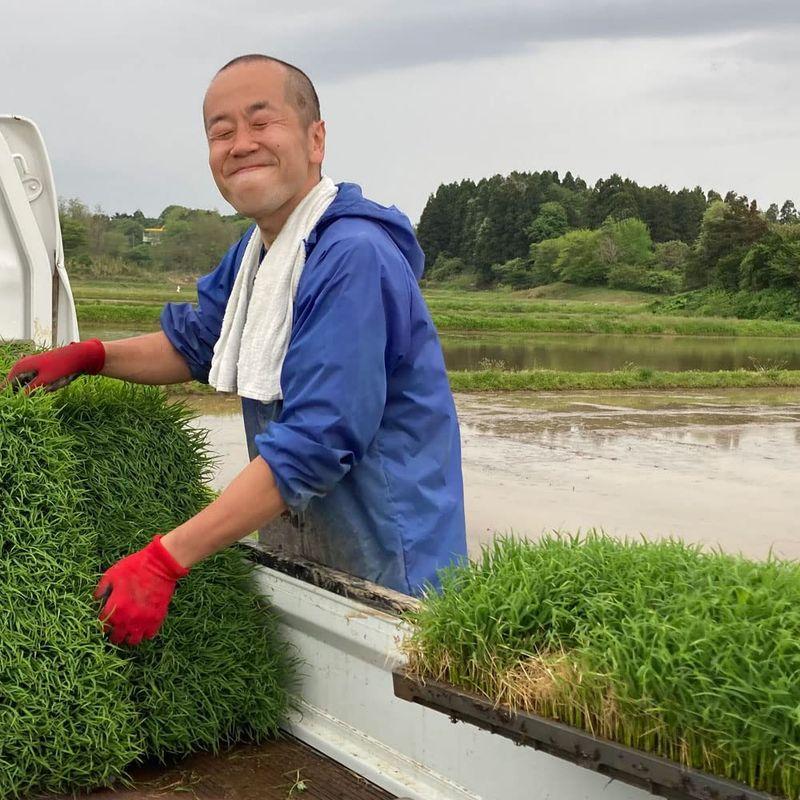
point(602, 353)
point(585, 352)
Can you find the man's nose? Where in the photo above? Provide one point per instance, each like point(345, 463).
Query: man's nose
point(243, 141)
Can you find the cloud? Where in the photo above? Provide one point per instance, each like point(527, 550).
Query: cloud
point(779, 49)
point(355, 36)
point(416, 92)
point(469, 31)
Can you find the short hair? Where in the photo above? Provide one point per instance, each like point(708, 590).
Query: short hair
point(300, 92)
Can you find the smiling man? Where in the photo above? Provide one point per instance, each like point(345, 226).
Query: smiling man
point(316, 320)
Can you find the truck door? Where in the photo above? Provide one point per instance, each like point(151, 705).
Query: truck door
point(36, 301)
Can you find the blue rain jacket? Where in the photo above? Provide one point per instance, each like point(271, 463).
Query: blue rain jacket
point(365, 445)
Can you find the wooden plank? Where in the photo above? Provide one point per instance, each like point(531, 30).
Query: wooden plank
point(283, 769)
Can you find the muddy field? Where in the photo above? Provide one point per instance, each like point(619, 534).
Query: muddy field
point(720, 468)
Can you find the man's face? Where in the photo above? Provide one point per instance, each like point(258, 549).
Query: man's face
point(261, 154)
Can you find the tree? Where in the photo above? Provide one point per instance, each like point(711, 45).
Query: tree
point(173, 213)
point(543, 260)
point(445, 268)
point(789, 213)
point(74, 209)
point(671, 256)
point(613, 197)
point(515, 273)
point(728, 230)
point(688, 208)
point(74, 237)
point(624, 242)
point(580, 260)
point(194, 240)
point(441, 223)
point(772, 263)
point(641, 279)
point(771, 214)
point(550, 222)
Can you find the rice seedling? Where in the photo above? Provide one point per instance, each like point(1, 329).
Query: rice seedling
point(66, 714)
point(87, 475)
point(692, 655)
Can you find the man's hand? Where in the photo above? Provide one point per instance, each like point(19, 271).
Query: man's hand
point(136, 593)
point(54, 369)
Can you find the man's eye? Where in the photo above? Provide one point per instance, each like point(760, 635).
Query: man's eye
point(260, 124)
point(225, 134)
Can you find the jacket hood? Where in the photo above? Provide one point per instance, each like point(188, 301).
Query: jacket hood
point(350, 202)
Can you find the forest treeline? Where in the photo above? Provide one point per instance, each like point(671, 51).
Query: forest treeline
point(708, 253)
point(182, 240)
point(529, 229)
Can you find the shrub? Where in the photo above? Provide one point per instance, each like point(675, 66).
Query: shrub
point(514, 273)
point(643, 279)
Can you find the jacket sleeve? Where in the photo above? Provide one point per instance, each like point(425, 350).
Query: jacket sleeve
point(349, 333)
point(193, 330)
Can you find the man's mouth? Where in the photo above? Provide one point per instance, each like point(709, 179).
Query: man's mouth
point(249, 168)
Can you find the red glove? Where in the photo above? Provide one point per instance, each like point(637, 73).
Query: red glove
point(54, 369)
point(136, 592)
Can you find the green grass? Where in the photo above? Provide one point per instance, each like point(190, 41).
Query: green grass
point(635, 378)
point(633, 325)
point(127, 293)
point(601, 294)
point(495, 307)
point(87, 476)
point(118, 313)
point(549, 380)
point(559, 308)
point(690, 655)
point(518, 321)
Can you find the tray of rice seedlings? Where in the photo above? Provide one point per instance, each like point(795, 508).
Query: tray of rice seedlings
point(673, 667)
point(88, 475)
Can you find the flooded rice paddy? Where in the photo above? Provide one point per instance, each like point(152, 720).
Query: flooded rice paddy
point(606, 352)
point(717, 467)
point(592, 352)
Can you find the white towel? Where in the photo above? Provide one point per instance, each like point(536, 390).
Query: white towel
point(248, 356)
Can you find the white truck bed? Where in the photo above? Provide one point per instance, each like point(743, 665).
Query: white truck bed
point(350, 712)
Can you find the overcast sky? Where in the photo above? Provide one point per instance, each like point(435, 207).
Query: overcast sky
point(420, 92)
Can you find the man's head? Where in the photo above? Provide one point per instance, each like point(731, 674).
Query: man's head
point(266, 141)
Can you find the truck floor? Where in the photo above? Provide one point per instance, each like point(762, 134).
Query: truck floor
point(284, 769)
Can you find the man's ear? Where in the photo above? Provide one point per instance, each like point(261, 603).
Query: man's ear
point(317, 141)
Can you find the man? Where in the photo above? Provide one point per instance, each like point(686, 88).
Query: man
point(316, 319)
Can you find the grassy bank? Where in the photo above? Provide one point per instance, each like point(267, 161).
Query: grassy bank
point(634, 325)
point(559, 308)
point(95, 312)
point(125, 293)
point(495, 307)
point(660, 646)
point(144, 313)
point(547, 380)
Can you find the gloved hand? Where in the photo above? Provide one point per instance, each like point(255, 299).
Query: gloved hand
point(54, 369)
point(136, 593)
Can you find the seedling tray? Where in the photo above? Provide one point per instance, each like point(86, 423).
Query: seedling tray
point(652, 773)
